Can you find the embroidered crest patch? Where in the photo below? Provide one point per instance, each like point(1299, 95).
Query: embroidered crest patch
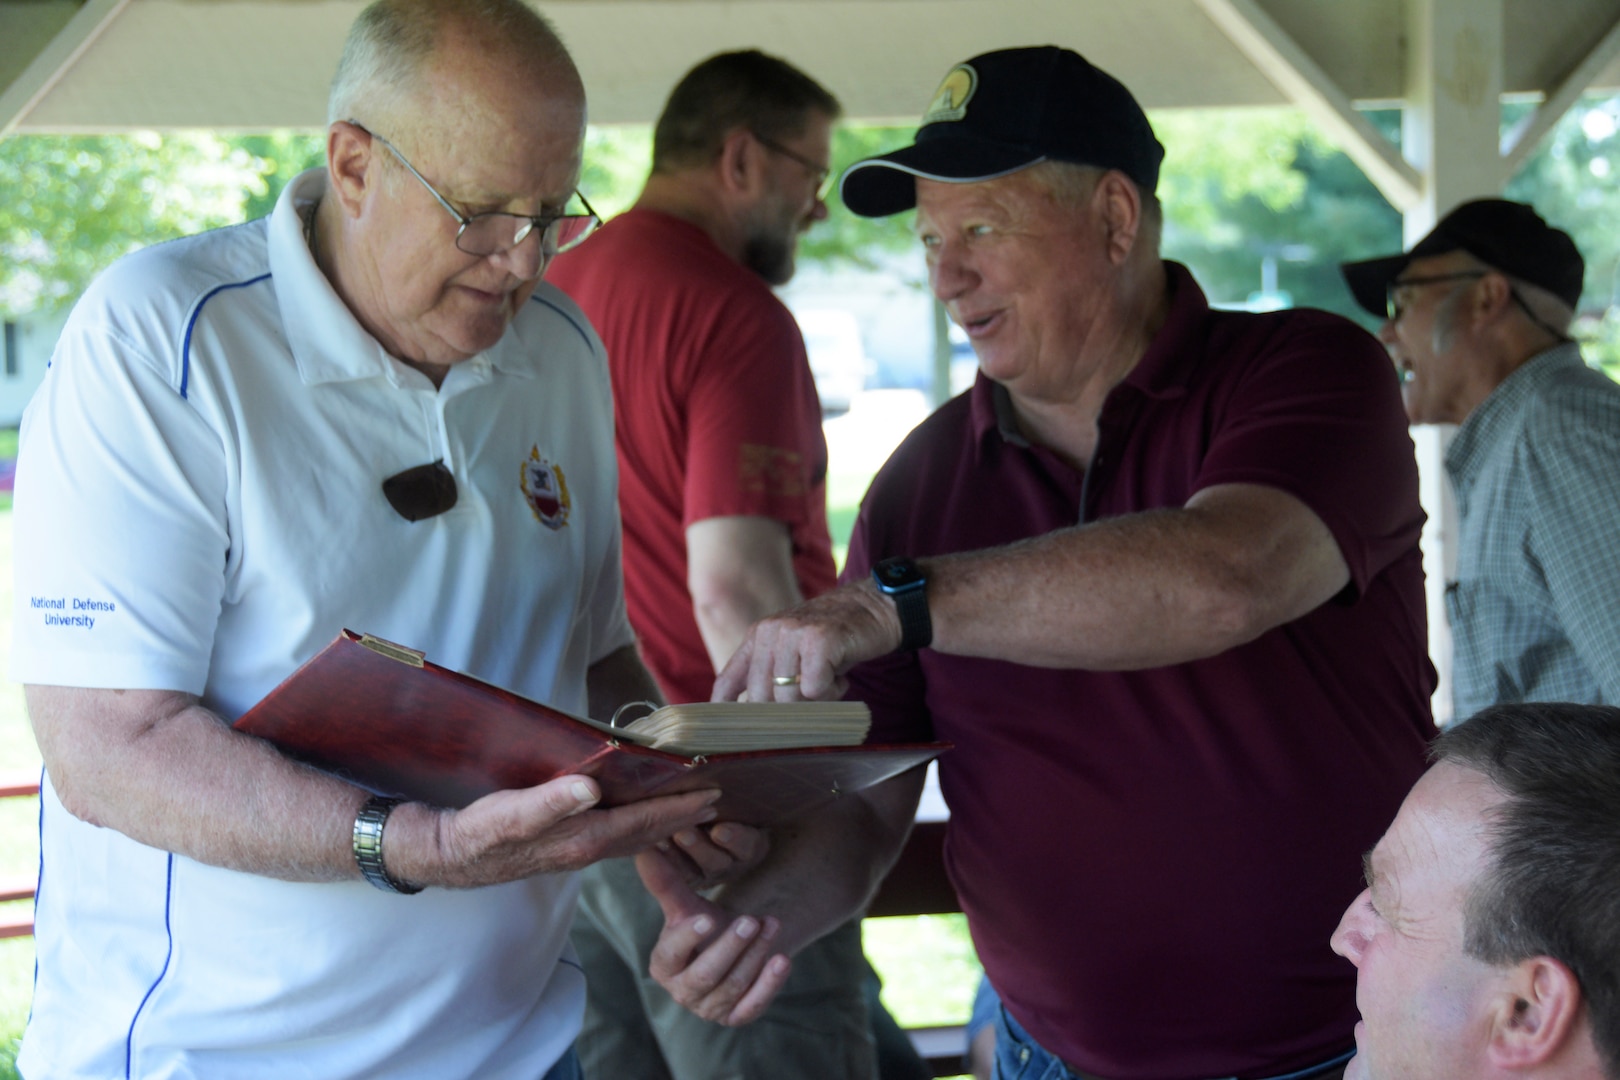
point(951, 99)
point(546, 490)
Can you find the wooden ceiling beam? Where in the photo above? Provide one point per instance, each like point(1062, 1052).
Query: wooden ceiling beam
point(1294, 72)
point(55, 60)
point(1519, 143)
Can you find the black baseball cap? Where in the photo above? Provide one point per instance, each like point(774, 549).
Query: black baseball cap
point(1004, 111)
point(1509, 236)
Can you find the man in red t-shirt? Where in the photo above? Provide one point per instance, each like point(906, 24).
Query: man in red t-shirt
point(1156, 576)
point(721, 457)
point(722, 469)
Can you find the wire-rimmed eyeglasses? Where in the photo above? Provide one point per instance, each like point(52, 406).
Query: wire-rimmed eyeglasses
point(1395, 304)
point(821, 173)
point(1394, 297)
point(495, 231)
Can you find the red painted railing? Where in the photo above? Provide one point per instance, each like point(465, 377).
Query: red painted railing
point(18, 785)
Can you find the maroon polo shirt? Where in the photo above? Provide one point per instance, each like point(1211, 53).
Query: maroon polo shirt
point(1152, 861)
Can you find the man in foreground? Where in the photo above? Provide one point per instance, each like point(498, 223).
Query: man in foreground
point(722, 486)
point(1477, 319)
point(363, 411)
point(1156, 576)
point(1487, 941)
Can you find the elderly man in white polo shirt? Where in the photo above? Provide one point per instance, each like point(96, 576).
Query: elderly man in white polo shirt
point(364, 411)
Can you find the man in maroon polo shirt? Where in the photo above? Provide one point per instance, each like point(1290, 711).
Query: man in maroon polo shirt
point(1156, 575)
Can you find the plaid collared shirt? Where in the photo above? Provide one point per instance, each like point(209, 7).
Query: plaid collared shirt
point(1535, 609)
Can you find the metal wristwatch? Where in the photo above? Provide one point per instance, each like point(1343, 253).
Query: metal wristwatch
point(904, 582)
point(368, 834)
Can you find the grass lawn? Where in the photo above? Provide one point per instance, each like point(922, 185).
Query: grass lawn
point(19, 832)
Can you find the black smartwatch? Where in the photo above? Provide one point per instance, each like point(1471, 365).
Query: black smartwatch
point(903, 582)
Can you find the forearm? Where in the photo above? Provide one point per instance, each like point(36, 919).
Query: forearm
point(177, 778)
point(1113, 597)
point(1150, 589)
point(739, 570)
point(1142, 590)
point(159, 768)
point(822, 871)
point(724, 614)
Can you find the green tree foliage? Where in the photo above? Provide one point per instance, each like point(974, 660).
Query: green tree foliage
point(279, 157)
point(73, 204)
point(617, 160)
point(1239, 187)
point(845, 239)
point(1244, 185)
point(1574, 180)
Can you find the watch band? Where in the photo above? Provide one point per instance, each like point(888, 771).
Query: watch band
point(916, 628)
point(368, 834)
point(903, 581)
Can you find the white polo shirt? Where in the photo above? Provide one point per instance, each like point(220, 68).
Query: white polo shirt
point(199, 508)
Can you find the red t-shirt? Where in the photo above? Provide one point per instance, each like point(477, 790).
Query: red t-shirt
point(717, 416)
point(1152, 861)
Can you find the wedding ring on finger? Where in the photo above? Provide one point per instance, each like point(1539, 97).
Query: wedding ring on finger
point(786, 680)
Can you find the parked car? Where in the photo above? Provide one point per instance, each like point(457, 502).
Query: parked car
point(838, 361)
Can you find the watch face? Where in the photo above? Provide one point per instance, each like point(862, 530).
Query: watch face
point(897, 573)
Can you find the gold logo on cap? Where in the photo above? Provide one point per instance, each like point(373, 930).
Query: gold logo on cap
point(951, 99)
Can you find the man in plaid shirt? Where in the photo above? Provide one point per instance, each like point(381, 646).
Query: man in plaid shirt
point(1477, 320)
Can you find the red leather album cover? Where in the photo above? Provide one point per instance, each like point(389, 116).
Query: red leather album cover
point(385, 718)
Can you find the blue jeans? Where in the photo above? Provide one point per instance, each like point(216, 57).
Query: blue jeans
point(1019, 1057)
point(567, 1068)
point(986, 1005)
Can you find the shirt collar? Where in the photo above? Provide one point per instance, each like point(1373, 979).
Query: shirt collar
point(1481, 429)
point(1159, 374)
point(327, 341)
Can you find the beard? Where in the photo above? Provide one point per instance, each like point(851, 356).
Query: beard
point(769, 253)
point(772, 239)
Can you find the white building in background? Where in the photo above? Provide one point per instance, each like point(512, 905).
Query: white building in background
point(25, 352)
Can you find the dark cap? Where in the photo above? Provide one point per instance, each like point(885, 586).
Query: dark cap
point(1004, 111)
point(1507, 236)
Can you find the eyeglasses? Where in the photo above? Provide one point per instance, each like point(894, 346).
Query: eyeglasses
point(822, 174)
point(495, 231)
point(1394, 302)
point(421, 492)
point(1395, 307)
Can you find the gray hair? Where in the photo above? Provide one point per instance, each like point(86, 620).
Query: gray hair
point(1070, 185)
point(1552, 883)
point(391, 39)
point(1536, 302)
point(1544, 305)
